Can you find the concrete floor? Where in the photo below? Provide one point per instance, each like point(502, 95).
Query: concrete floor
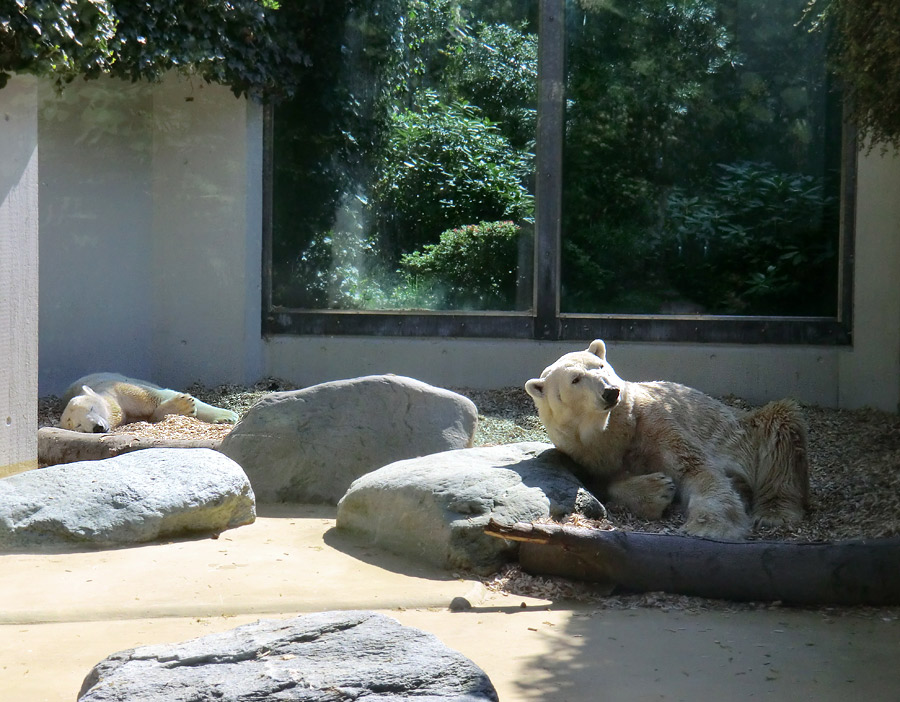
point(64, 612)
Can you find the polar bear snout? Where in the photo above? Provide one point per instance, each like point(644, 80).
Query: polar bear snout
point(610, 396)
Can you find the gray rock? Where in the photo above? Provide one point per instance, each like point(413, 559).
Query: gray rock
point(132, 498)
point(309, 445)
point(322, 656)
point(435, 508)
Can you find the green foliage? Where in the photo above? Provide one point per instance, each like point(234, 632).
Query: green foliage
point(63, 39)
point(337, 269)
point(442, 165)
point(471, 267)
point(867, 59)
point(609, 268)
point(754, 243)
point(258, 48)
point(661, 92)
point(494, 66)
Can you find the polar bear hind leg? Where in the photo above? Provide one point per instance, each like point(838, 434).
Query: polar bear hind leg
point(214, 415)
point(780, 484)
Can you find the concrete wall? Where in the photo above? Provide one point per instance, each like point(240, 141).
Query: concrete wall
point(151, 232)
point(150, 211)
point(18, 276)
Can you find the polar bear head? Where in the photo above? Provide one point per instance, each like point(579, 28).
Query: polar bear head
point(579, 384)
point(87, 412)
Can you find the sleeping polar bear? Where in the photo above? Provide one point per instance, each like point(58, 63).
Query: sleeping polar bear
point(647, 441)
point(102, 401)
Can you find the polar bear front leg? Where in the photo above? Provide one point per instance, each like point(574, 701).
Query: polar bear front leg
point(180, 403)
point(714, 508)
point(646, 496)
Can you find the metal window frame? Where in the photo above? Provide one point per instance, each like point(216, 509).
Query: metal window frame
point(545, 321)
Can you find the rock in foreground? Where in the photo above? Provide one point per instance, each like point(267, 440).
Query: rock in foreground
point(322, 656)
point(132, 498)
point(309, 445)
point(435, 508)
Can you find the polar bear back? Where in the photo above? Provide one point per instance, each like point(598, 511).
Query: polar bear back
point(98, 382)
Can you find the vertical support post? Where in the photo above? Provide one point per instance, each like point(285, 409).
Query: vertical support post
point(18, 275)
point(268, 178)
point(548, 184)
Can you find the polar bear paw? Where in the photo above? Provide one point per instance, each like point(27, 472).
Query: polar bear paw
point(647, 496)
point(712, 520)
point(180, 403)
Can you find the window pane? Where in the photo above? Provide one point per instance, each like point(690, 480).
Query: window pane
point(701, 162)
point(403, 178)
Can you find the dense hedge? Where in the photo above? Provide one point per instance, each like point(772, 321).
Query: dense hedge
point(256, 47)
point(867, 60)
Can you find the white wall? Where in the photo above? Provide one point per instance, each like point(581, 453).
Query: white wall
point(207, 240)
point(150, 226)
point(96, 238)
point(151, 233)
point(869, 373)
point(18, 276)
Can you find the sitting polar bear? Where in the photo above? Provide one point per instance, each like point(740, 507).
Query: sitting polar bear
point(647, 441)
point(102, 401)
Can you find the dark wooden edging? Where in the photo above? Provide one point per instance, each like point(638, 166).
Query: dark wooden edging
point(858, 572)
point(63, 446)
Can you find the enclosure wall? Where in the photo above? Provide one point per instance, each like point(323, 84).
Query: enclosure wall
point(151, 230)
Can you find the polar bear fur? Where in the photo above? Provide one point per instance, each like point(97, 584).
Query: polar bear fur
point(645, 442)
point(102, 401)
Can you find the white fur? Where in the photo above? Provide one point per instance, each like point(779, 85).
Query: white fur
point(644, 441)
point(103, 401)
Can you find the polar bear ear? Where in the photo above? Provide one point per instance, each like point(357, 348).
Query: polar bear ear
point(598, 348)
point(535, 388)
point(87, 391)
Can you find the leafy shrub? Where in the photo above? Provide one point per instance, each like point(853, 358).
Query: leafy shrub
point(758, 243)
point(609, 268)
point(471, 267)
point(335, 270)
point(495, 67)
point(443, 165)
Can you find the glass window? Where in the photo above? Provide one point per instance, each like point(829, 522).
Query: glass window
point(702, 160)
point(656, 169)
point(403, 180)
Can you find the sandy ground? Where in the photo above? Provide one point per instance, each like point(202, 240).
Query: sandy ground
point(63, 612)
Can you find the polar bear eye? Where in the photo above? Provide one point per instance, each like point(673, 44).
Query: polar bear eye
point(576, 380)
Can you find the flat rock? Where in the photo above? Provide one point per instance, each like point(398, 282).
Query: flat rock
point(315, 657)
point(132, 498)
point(435, 508)
point(309, 445)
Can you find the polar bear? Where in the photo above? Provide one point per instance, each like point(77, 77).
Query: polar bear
point(102, 401)
point(645, 442)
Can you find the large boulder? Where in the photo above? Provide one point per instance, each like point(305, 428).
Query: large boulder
point(132, 498)
point(309, 445)
point(435, 508)
point(322, 656)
